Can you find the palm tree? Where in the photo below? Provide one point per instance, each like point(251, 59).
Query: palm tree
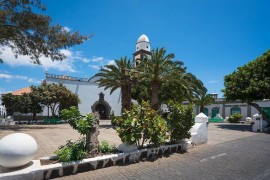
point(157, 70)
point(181, 86)
point(113, 77)
point(204, 100)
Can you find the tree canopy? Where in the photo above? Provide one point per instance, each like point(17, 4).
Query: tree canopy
point(250, 82)
point(25, 103)
point(30, 33)
point(55, 96)
point(113, 77)
point(156, 70)
point(165, 79)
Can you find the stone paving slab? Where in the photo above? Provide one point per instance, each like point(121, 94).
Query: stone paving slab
point(50, 137)
point(224, 132)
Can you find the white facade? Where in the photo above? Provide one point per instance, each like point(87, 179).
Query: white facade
point(142, 48)
point(92, 97)
point(3, 110)
point(227, 108)
point(143, 43)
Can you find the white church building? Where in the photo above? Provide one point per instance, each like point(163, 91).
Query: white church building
point(94, 98)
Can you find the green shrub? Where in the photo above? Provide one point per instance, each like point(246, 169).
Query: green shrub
point(141, 125)
point(179, 120)
point(105, 147)
point(235, 118)
point(83, 124)
point(72, 151)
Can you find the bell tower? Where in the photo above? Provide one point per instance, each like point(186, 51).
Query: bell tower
point(142, 48)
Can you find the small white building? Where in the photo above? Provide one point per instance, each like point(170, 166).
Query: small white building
point(227, 108)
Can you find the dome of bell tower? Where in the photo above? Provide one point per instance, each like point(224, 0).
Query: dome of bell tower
point(143, 43)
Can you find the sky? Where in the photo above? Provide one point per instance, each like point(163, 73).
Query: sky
point(211, 37)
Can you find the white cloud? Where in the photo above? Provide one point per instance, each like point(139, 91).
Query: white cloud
point(10, 77)
point(5, 76)
point(66, 29)
point(111, 62)
point(97, 59)
point(94, 67)
point(65, 65)
point(213, 81)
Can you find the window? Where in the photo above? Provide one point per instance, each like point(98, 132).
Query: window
point(235, 110)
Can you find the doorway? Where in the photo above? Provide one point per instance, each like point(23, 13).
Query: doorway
point(215, 111)
point(101, 109)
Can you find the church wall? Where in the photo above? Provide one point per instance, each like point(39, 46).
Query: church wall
point(88, 93)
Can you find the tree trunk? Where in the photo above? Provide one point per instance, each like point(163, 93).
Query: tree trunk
point(126, 97)
point(92, 138)
point(201, 109)
point(154, 95)
point(256, 106)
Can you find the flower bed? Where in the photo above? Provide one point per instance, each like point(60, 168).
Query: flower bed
point(47, 171)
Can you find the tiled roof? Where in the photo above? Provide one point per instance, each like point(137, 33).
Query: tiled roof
point(21, 91)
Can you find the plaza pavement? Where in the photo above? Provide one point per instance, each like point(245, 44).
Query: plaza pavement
point(229, 154)
point(50, 137)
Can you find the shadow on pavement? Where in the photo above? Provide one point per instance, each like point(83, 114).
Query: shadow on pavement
point(107, 126)
point(237, 127)
point(25, 127)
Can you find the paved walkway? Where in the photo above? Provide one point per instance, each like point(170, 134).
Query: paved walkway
point(50, 137)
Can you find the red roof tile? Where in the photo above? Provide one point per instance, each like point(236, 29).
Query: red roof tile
point(21, 91)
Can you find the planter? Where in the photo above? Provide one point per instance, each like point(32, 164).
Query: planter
point(39, 171)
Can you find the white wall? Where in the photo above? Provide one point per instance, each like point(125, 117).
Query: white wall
point(88, 93)
point(229, 105)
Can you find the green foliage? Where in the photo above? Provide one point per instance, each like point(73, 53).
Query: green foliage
point(105, 147)
point(72, 151)
point(11, 102)
point(140, 125)
point(203, 100)
point(30, 33)
point(25, 103)
point(180, 120)
point(82, 124)
point(250, 82)
point(113, 77)
point(165, 79)
point(113, 119)
point(51, 95)
point(235, 118)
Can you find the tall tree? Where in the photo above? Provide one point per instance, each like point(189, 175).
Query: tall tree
point(24, 103)
point(181, 86)
point(113, 77)
point(29, 33)
point(156, 70)
point(11, 103)
point(53, 95)
point(204, 100)
point(250, 82)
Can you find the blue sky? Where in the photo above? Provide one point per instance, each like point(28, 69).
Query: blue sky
point(212, 37)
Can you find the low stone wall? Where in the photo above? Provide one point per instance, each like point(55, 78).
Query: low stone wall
point(37, 171)
point(28, 118)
